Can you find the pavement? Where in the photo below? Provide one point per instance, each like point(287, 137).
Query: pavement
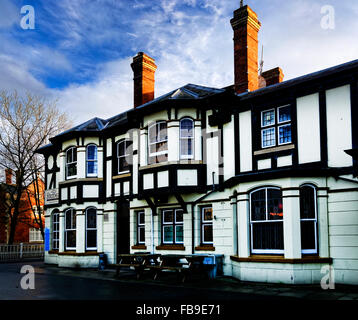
point(61, 283)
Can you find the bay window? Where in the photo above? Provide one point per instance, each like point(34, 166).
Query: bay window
point(266, 221)
point(91, 160)
point(91, 229)
point(308, 213)
point(186, 139)
point(123, 154)
point(158, 142)
point(70, 229)
point(71, 163)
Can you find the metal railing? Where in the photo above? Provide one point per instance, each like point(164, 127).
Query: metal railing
point(21, 251)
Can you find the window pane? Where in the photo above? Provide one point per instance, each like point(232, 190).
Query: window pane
point(123, 164)
point(92, 152)
point(161, 146)
point(274, 204)
point(179, 215)
point(308, 235)
point(268, 236)
point(168, 234)
point(91, 239)
point(162, 134)
point(152, 134)
point(268, 118)
point(208, 233)
point(186, 128)
point(285, 134)
point(92, 167)
point(208, 214)
point(70, 239)
point(71, 169)
point(258, 205)
point(284, 114)
point(68, 220)
point(168, 216)
point(91, 218)
point(268, 138)
point(141, 235)
point(179, 235)
point(141, 217)
point(186, 147)
point(307, 203)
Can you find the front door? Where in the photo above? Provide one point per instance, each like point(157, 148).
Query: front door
point(123, 244)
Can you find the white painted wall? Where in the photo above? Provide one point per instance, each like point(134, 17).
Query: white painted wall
point(308, 129)
point(245, 141)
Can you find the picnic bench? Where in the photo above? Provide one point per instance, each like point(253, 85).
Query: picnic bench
point(138, 261)
point(172, 262)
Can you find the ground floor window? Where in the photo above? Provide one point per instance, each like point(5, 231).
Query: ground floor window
point(140, 227)
point(308, 211)
point(207, 225)
point(266, 221)
point(70, 229)
point(172, 226)
point(91, 229)
point(55, 230)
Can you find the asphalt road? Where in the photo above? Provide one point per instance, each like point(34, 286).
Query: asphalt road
point(49, 286)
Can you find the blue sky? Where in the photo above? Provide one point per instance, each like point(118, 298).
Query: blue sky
point(80, 50)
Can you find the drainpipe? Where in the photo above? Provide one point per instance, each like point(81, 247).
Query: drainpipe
point(235, 246)
point(152, 231)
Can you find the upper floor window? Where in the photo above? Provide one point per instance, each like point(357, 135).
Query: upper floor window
point(92, 160)
point(266, 221)
point(186, 139)
point(276, 127)
point(158, 142)
point(123, 154)
point(71, 163)
point(308, 211)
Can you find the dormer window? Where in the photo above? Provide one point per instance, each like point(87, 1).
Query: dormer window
point(92, 160)
point(123, 155)
point(158, 142)
point(71, 163)
point(186, 139)
point(276, 127)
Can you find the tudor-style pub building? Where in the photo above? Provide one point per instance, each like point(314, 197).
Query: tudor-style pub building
point(263, 172)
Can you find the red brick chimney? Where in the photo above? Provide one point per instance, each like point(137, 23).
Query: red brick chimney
point(273, 76)
point(144, 69)
point(246, 27)
point(8, 176)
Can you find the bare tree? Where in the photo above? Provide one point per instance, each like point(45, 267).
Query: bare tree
point(26, 124)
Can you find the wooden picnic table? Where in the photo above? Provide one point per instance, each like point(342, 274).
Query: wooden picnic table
point(138, 261)
point(173, 262)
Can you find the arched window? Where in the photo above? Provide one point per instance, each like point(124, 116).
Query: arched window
point(70, 229)
point(91, 229)
point(55, 230)
point(71, 163)
point(186, 139)
point(266, 221)
point(308, 211)
point(91, 161)
point(158, 142)
point(123, 155)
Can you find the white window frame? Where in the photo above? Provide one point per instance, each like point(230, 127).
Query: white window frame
point(125, 155)
point(55, 233)
point(91, 229)
point(91, 160)
point(140, 226)
point(266, 251)
point(150, 143)
point(73, 213)
point(174, 223)
point(205, 223)
point(274, 134)
point(315, 220)
point(74, 151)
point(192, 138)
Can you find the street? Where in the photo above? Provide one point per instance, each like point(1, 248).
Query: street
point(50, 286)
